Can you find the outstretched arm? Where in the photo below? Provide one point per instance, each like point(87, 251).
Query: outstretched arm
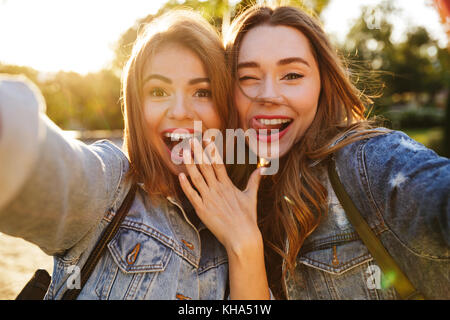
point(408, 186)
point(53, 189)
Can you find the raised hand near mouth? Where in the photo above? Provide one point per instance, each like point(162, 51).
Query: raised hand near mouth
point(230, 214)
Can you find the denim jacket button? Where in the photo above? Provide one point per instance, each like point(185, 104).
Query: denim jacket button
point(179, 296)
point(188, 244)
point(131, 258)
point(335, 261)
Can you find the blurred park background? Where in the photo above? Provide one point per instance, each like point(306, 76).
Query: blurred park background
point(397, 51)
point(408, 67)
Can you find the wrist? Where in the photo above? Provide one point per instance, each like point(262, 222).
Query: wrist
point(246, 247)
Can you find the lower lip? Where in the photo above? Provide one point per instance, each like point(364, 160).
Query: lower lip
point(272, 137)
point(175, 156)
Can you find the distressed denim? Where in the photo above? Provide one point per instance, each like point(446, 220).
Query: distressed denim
point(61, 195)
point(156, 254)
point(402, 189)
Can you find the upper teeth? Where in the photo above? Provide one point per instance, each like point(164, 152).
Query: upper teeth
point(178, 136)
point(273, 121)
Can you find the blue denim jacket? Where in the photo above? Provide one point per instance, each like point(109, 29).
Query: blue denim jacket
point(402, 189)
point(156, 254)
point(60, 194)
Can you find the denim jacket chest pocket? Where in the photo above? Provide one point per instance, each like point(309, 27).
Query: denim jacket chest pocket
point(337, 268)
point(336, 257)
point(155, 254)
point(334, 263)
point(133, 260)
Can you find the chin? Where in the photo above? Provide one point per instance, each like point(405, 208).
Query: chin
point(282, 151)
point(177, 169)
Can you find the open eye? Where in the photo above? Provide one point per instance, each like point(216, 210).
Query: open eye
point(158, 92)
point(202, 93)
point(292, 76)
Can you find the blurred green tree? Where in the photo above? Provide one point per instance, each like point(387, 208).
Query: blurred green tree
point(78, 102)
point(84, 102)
point(415, 67)
point(218, 12)
point(214, 11)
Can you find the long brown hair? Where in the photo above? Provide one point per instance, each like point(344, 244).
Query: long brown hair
point(192, 31)
point(341, 108)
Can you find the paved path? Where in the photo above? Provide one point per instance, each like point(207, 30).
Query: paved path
point(19, 260)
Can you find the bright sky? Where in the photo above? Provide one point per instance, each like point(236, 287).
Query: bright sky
point(79, 35)
point(339, 15)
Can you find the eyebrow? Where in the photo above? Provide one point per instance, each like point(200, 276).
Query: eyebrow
point(248, 65)
point(285, 61)
point(199, 80)
point(282, 62)
point(167, 80)
point(159, 77)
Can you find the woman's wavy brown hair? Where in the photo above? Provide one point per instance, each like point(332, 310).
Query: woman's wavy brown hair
point(341, 108)
point(192, 31)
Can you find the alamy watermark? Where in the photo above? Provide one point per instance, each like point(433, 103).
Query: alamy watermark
point(74, 279)
point(265, 141)
point(373, 18)
point(379, 280)
point(374, 279)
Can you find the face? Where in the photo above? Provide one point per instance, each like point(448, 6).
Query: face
point(279, 75)
point(176, 92)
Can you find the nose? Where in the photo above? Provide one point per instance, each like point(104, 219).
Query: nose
point(180, 108)
point(269, 91)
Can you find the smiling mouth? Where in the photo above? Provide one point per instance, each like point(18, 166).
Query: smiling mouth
point(270, 128)
point(174, 137)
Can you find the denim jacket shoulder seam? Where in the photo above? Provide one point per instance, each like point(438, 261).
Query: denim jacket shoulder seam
point(364, 173)
point(425, 256)
point(122, 173)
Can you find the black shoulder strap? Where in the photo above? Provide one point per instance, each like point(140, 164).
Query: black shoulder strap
point(97, 252)
point(388, 266)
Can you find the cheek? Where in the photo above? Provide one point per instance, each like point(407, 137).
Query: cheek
point(242, 104)
point(153, 118)
point(151, 114)
point(305, 100)
point(209, 116)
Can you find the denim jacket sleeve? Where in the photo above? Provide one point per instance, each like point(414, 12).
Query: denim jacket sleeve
point(405, 185)
point(53, 190)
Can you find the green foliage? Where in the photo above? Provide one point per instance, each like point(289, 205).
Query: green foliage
point(402, 72)
point(415, 65)
point(432, 138)
point(76, 102)
point(217, 12)
point(415, 118)
point(213, 11)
